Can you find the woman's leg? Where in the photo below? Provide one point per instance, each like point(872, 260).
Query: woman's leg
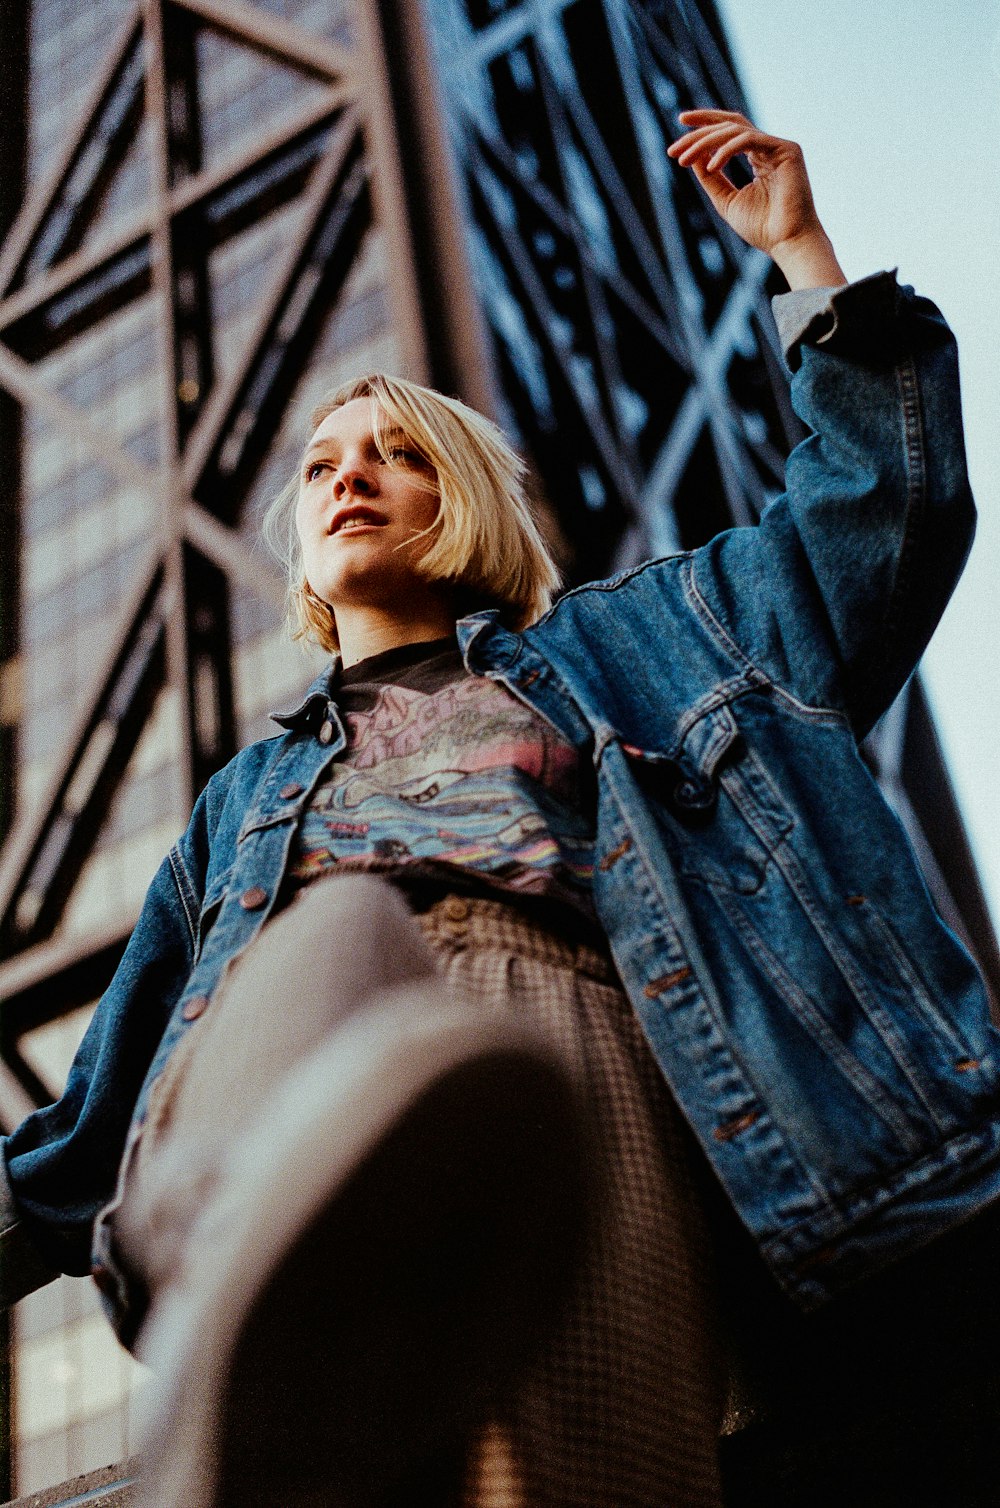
point(624, 1404)
point(342, 942)
point(383, 1214)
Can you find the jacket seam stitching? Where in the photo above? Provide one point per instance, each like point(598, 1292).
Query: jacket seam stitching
point(748, 1084)
point(185, 891)
point(914, 450)
point(804, 707)
point(611, 584)
point(871, 1196)
point(719, 632)
point(722, 695)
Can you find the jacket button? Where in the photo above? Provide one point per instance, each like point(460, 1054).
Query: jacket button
point(290, 791)
point(456, 908)
point(194, 1007)
point(697, 799)
point(254, 898)
point(326, 732)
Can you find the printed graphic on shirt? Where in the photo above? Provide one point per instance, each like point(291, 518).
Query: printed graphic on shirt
point(456, 772)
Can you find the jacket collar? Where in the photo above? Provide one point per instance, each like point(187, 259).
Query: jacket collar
point(485, 643)
point(482, 639)
point(315, 701)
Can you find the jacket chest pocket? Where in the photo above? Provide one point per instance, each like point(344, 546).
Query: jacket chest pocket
point(719, 812)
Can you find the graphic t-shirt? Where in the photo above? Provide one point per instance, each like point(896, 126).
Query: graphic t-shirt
point(447, 776)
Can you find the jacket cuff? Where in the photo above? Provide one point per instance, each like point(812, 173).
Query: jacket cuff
point(22, 1270)
point(841, 318)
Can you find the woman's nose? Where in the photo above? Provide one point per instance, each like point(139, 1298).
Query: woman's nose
point(352, 480)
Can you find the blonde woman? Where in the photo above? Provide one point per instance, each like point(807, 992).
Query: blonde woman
point(536, 925)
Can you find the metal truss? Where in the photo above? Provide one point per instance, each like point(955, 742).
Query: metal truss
point(53, 286)
point(547, 262)
point(632, 328)
point(633, 343)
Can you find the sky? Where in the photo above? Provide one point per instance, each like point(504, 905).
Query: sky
point(896, 105)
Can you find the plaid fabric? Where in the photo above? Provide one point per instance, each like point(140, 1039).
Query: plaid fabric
point(623, 1410)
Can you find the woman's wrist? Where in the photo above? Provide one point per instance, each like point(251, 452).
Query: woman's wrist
point(808, 261)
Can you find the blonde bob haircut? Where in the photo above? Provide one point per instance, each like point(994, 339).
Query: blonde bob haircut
point(484, 539)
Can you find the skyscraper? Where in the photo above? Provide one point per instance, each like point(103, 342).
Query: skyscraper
point(213, 211)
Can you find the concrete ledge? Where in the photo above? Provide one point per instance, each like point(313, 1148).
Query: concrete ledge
point(111, 1487)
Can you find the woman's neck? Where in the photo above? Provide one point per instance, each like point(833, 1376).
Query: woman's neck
point(370, 631)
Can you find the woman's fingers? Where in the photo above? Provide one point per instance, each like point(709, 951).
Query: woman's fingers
point(717, 186)
point(776, 207)
point(712, 115)
point(725, 139)
point(696, 143)
point(743, 142)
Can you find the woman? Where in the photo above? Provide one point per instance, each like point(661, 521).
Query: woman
point(636, 822)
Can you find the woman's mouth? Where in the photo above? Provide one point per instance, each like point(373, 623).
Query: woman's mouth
point(356, 518)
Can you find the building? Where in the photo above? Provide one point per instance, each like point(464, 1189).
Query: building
point(212, 211)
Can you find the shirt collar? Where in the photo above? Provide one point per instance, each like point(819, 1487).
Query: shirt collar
point(468, 630)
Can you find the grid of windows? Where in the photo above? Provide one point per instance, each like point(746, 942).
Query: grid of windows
point(74, 1387)
point(89, 528)
point(231, 76)
point(69, 45)
point(128, 191)
point(241, 272)
point(329, 18)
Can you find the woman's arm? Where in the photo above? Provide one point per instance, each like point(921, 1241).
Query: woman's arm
point(836, 592)
point(59, 1167)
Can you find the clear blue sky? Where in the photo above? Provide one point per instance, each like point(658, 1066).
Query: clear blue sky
point(896, 104)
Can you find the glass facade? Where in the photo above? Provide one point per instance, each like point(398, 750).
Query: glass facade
point(75, 1388)
point(91, 532)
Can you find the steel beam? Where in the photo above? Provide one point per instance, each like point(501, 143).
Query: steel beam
point(13, 183)
point(37, 880)
point(176, 632)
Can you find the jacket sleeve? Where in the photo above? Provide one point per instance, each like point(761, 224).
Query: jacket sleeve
point(836, 592)
point(61, 1164)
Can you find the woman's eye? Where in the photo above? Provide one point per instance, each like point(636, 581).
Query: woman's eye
point(404, 456)
point(313, 470)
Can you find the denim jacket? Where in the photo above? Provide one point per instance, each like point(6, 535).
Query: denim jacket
point(825, 1034)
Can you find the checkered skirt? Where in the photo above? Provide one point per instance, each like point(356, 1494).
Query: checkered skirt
point(623, 1408)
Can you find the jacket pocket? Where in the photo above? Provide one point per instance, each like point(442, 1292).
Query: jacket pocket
point(898, 971)
point(720, 814)
point(814, 999)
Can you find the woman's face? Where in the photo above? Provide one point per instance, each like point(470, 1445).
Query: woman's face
point(357, 517)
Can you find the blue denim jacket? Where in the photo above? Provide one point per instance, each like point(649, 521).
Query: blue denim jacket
point(825, 1034)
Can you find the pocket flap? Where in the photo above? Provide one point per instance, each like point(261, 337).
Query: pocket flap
point(708, 741)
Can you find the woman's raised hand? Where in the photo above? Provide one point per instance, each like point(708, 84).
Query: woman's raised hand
point(775, 212)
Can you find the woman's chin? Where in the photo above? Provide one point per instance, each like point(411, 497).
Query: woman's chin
point(376, 588)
